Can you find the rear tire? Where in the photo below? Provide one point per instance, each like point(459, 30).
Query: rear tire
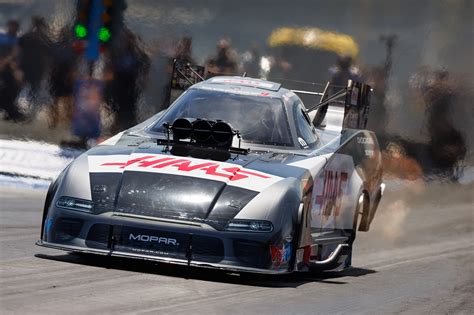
point(375, 206)
point(359, 210)
point(365, 212)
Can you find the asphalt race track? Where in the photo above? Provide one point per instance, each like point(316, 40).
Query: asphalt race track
point(418, 258)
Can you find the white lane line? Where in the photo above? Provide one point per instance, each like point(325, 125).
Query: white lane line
point(427, 258)
point(154, 310)
point(419, 253)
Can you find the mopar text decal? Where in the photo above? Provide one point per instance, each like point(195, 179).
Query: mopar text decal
point(234, 175)
point(365, 140)
point(152, 238)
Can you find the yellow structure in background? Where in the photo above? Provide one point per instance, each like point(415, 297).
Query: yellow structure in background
point(341, 44)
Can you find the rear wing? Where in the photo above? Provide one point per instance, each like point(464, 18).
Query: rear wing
point(355, 100)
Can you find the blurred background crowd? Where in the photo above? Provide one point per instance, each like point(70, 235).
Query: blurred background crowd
point(416, 55)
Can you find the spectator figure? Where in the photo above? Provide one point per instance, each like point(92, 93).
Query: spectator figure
point(447, 145)
point(10, 75)
point(281, 67)
point(184, 52)
point(9, 40)
point(252, 64)
point(377, 77)
point(441, 157)
point(35, 55)
point(183, 55)
point(342, 72)
point(62, 77)
point(224, 63)
point(397, 163)
point(128, 66)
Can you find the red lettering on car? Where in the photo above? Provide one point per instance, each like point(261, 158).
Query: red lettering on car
point(212, 170)
point(152, 162)
point(235, 173)
point(253, 174)
point(185, 165)
point(129, 162)
point(331, 198)
point(174, 161)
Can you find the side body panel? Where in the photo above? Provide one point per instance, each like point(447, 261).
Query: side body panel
point(353, 169)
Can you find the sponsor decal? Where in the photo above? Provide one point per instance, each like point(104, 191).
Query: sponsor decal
point(369, 153)
point(334, 192)
point(302, 142)
point(280, 254)
point(355, 96)
point(99, 188)
point(243, 82)
point(153, 239)
point(234, 175)
point(185, 165)
point(230, 90)
point(235, 204)
point(146, 251)
point(365, 140)
point(330, 200)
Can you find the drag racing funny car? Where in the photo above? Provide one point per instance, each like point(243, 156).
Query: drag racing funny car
point(233, 175)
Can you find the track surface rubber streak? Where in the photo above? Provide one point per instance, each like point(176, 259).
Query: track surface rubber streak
point(418, 258)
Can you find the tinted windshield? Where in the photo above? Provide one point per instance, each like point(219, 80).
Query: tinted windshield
point(260, 120)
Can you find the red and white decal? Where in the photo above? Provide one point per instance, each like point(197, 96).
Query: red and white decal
point(246, 82)
point(281, 255)
point(330, 199)
point(334, 193)
point(232, 174)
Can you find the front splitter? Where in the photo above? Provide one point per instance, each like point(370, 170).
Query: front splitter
point(168, 260)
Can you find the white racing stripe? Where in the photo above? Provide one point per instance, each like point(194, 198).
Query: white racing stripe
point(112, 140)
point(312, 164)
point(232, 174)
point(32, 164)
